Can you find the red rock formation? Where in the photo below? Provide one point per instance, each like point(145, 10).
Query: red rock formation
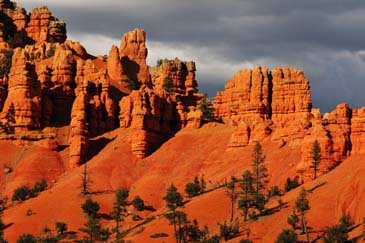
point(246, 97)
point(79, 130)
point(291, 97)
point(114, 65)
point(63, 72)
point(133, 54)
point(42, 27)
point(358, 131)
point(23, 104)
point(180, 75)
point(150, 118)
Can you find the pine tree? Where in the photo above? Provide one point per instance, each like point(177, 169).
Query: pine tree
point(119, 212)
point(92, 227)
point(316, 157)
point(293, 220)
point(302, 205)
point(232, 193)
point(207, 109)
point(174, 201)
point(245, 203)
point(259, 168)
point(247, 183)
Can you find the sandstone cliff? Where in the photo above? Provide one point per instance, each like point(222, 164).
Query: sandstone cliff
point(277, 105)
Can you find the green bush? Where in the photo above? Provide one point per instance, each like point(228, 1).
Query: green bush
point(26, 238)
point(207, 109)
point(228, 231)
point(192, 189)
point(292, 183)
point(287, 236)
point(21, 194)
point(138, 203)
point(90, 207)
point(39, 186)
point(61, 227)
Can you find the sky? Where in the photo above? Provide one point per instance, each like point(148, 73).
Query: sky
point(325, 38)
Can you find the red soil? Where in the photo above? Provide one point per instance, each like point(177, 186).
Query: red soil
point(191, 152)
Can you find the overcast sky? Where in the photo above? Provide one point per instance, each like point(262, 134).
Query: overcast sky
point(325, 38)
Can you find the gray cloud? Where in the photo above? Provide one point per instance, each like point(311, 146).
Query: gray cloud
point(325, 38)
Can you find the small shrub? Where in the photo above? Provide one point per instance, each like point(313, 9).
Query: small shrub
point(90, 207)
point(207, 109)
point(39, 186)
point(26, 238)
point(159, 235)
point(192, 189)
point(274, 191)
point(228, 231)
point(292, 183)
point(21, 194)
point(287, 236)
point(61, 227)
point(138, 203)
point(196, 187)
point(159, 62)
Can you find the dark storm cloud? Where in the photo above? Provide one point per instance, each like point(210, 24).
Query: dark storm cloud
point(325, 38)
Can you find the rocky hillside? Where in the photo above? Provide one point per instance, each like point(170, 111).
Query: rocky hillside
point(143, 128)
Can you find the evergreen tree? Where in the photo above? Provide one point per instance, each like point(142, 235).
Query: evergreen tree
point(92, 227)
point(85, 181)
point(247, 183)
point(174, 201)
point(232, 193)
point(119, 212)
point(316, 157)
point(90, 207)
point(245, 203)
point(339, 233)
point(302, 205)
point(207, 109)
point(293, 220)
point(259, 168)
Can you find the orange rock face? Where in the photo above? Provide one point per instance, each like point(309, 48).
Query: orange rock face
point(291, 98)
point(246, 97)
point(133, 54)
point(150, 118)
point(39, 26)
point(358, 131)
point(23, 104)
point(79, 129)
point(179, 75)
